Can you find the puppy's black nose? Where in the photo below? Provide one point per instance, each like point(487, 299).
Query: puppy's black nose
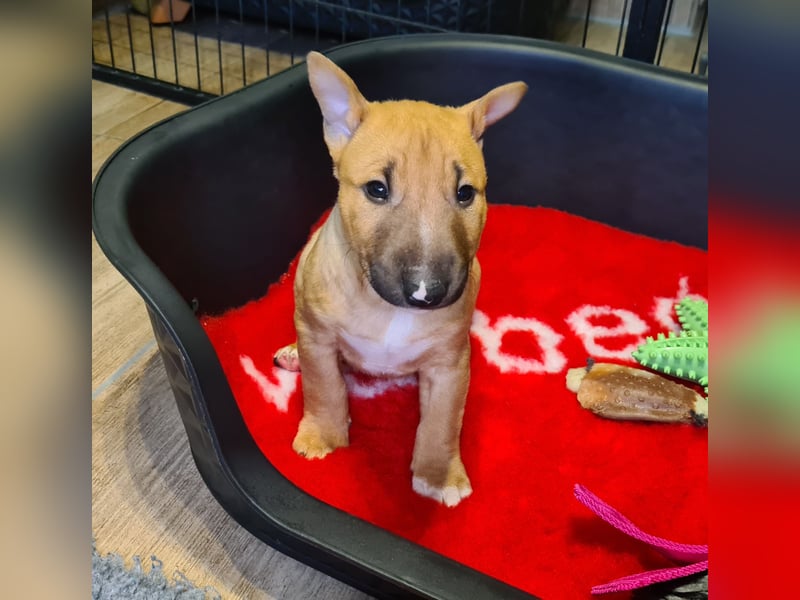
point(423, 293)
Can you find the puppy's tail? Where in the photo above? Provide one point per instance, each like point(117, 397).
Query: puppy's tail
point(286, 358)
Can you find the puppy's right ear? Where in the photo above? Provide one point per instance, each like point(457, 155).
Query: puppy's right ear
point(343, 107)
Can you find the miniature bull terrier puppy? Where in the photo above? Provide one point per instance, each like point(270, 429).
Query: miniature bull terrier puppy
point(387, 285)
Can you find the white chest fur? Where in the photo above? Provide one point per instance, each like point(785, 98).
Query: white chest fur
point(388, 354)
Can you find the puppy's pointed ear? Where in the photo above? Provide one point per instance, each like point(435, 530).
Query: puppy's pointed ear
point(343, 107)
point(492, 107)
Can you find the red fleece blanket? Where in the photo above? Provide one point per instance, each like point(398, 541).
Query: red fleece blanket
point(556, 289)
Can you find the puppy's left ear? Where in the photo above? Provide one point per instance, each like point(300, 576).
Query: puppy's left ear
point(492, 107)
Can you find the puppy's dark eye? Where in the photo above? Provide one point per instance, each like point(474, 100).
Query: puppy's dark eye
point(465, 195)
point(377, 191)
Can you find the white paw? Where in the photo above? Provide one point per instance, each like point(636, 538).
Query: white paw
point(286, 358)
point(449, 495)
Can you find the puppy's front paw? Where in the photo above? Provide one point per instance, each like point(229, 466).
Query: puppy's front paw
point(450, 490)
point(286, 358)
point(315, 441)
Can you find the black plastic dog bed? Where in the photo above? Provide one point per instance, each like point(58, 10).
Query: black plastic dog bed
point(206, 209)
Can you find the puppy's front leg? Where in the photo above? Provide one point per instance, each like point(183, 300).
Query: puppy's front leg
point(438, 472)
point(325, 422)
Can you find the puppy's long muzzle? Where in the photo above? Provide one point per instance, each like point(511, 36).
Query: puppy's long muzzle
point(419, 287)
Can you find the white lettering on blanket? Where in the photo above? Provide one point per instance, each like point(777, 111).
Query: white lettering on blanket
point(491, 337)
point(274, 393)
point(664, 307)
point(581, 321)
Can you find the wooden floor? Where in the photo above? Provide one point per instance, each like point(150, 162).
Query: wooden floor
point(147, 496)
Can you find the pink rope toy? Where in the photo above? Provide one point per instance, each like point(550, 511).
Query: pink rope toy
point(694, 554)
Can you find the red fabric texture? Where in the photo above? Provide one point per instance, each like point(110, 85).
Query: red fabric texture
point(526, 441)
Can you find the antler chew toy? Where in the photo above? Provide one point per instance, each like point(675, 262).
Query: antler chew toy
point(626, 393)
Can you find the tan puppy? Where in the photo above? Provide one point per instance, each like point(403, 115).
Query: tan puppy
point(388, 284)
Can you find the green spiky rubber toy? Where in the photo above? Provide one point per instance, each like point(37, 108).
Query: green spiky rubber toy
point(685, 354)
